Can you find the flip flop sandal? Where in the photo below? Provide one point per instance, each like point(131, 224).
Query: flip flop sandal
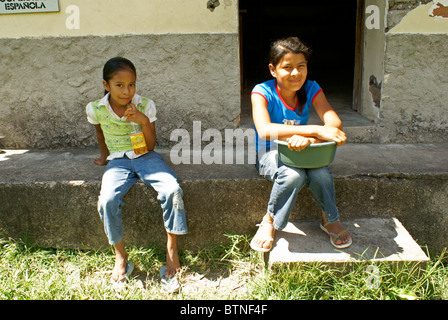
point(257, 248)
point(170, 285)
point(336, 236)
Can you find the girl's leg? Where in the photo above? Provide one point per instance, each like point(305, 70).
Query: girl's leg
point(287, 184)
point(321, 185)
point(121, 259)
point(153, 171)
point(172, 258)
point(118, 178)
point(116, 182)
point(288, 181)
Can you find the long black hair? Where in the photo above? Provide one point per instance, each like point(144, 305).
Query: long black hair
point(280, 48)
point(114, 65)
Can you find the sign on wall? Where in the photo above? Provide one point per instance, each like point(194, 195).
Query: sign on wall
point(28, 6)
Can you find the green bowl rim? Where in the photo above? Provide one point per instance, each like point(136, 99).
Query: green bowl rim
point(313, 145)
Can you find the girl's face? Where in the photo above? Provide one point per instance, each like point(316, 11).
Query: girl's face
point(290, 72)
point(121, 88)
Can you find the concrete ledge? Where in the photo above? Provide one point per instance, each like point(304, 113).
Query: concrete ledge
point(50, 196)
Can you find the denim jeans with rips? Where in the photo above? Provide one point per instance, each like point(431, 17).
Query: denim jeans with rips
point(288, 181)
point(121, 174)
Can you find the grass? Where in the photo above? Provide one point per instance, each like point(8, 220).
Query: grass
point(225, 272)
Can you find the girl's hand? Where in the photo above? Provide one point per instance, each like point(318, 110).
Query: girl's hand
point(328, 133)
point(298, 143)
point(132, 114)
point(100, 161)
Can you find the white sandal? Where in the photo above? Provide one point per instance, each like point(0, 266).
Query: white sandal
point(336, 236)
point(170, 285)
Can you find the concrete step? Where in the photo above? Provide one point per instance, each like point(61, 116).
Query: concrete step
point(374, 239)
point(50, 196)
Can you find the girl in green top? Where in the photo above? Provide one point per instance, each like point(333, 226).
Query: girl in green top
point(111, 117)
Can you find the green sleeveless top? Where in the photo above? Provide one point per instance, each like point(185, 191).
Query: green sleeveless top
point(116, 132)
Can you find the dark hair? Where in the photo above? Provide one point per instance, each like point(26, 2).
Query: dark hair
point(280, 48)
point(114, 65)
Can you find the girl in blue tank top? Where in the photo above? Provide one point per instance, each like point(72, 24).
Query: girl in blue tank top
point(276, 104)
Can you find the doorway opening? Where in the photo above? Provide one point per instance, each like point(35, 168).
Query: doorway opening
point(328, 27)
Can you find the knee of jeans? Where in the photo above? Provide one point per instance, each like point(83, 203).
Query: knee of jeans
point(109, 202)
point(322, 175)
point(176, 194)
point(291, 178)
point(178, 201)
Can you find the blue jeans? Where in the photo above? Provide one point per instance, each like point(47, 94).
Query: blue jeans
point(288, 181)
point(121, 174)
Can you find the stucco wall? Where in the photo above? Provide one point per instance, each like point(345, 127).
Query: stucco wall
point(415, 107)
point(414, 104)
point(186, 56)
point(373, 58)
point(46, 84)
point(187, 59)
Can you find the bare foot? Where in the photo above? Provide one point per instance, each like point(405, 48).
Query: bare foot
point(172, 257)
point(264, 237)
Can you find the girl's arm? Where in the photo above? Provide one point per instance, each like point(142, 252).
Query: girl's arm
point(326, 112)
point(102, 145)
point(329, 118)
point(301, 136)
point(149, 131)
point(148, 128)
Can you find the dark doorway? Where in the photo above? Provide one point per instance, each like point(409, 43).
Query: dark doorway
point(327, 26)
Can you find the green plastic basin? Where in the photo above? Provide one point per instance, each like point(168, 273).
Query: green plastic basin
point(315, 155)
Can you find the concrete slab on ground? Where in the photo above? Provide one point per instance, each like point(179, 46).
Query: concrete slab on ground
point(374, 239)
